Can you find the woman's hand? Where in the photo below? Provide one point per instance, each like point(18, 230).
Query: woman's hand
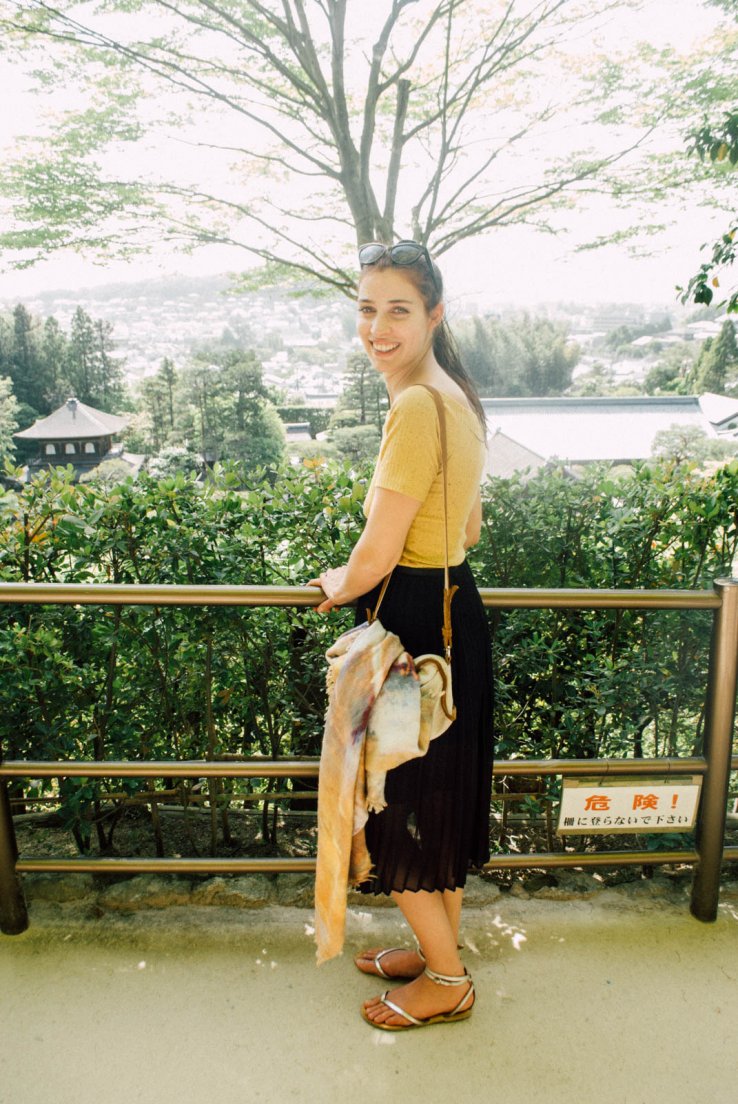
point(331, 582)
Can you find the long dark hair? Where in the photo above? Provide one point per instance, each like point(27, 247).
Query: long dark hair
point(445, 349)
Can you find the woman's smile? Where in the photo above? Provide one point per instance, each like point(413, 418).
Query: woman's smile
point(384, 348)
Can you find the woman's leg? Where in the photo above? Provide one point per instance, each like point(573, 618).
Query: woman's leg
point(452, 902)
point(436, 932)
point(401, 963)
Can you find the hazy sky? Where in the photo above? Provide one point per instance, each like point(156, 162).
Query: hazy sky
point(516, 264)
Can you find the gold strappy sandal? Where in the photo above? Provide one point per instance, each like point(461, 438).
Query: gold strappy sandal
point(460, 1012)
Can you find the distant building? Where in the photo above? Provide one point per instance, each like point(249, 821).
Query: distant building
point(79, 435)
point(529, 433)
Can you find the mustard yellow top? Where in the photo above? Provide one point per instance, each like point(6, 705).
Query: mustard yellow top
point(410, 462)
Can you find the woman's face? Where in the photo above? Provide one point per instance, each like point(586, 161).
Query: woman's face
point(394, 326)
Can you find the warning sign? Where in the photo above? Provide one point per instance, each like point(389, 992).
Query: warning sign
point(640, 805)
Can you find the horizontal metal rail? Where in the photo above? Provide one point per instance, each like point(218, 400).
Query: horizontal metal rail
point(308, 768)
point(174, 594)
point(534, 861)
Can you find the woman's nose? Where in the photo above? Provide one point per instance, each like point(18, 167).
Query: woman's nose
point(380, 323)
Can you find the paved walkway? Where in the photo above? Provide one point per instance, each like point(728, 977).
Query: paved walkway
point(576, 1002)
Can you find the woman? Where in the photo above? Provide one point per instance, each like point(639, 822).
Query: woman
point(436, 823)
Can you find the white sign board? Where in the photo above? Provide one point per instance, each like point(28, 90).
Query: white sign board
point(608, 805)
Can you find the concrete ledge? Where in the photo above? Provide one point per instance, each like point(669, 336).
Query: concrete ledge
point(92, 897)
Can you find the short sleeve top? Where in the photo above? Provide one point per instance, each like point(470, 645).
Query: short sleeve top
point(410, 462)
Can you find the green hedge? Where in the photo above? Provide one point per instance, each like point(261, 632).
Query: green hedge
point(130, 682)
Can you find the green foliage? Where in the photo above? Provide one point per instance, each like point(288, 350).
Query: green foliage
point(216, 405)
point(107, 472)
point(8, 417)
point(620, 682)
point(47, 365)
point(684, 442)
point(523, 356)
point(356, 443)
point(622, 336)
point(363, 401)
point(672, 372)
point(165, 682)
point(83, 681)
point(717, 143)
point(717, 362)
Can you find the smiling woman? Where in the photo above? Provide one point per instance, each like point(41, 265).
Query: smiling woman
point(436, 823)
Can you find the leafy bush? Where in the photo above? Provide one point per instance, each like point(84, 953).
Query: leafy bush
point(85, 681)
point(617, 682)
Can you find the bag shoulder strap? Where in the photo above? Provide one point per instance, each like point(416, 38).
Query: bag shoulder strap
point(448, 591)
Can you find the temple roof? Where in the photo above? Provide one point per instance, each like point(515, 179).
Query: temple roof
point(586, 429)
point(74, 421)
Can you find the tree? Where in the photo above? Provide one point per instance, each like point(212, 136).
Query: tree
point(54, 354)
point(8, 417)
point(168, 375)
point(519, 356)
point(716, 141)
point(683, 443)
point(94, 374)
point(672, 372)
point(364, 398)
point(222, 408)
point(25, 363)
point(718, 357)
point(336, 129)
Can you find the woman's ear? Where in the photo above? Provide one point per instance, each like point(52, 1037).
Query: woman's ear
point(436, 315)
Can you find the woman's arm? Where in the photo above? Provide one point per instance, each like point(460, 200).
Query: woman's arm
point(474, 522)
point(375, 553)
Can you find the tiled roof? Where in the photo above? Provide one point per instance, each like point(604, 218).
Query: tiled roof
point(718, 408)
point(72, 421)
point(505, 456)
point(589, 429)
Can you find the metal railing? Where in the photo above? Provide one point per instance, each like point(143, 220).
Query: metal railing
point(714, 765)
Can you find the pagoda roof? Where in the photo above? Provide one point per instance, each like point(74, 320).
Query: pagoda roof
point(74, 420)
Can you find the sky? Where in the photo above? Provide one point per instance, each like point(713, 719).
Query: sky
point(516, 264)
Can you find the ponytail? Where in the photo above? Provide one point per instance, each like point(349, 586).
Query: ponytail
point(446, 352)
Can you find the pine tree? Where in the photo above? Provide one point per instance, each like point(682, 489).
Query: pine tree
point(54, 356)
point(717, 360)
point(364, 398)
point(94, 373)
point(25, 368)
point(168, 375)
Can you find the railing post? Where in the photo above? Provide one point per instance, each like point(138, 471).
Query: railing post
point(719, 720)
point(13, 914)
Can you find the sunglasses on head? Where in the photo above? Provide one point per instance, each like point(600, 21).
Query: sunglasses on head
point(402, 253)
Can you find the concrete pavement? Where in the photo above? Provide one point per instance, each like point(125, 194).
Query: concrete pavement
point(576, 1001)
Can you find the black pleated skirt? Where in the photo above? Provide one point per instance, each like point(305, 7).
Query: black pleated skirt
point(436, 823)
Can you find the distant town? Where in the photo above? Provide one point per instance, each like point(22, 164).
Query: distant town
point(608, 410)
point(303, 342)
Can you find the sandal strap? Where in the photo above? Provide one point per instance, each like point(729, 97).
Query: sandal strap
point(400, 1011)
point(448, 979)
point(379, 955)
point(389, 950)
point(469, 993)
point(453, 979)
